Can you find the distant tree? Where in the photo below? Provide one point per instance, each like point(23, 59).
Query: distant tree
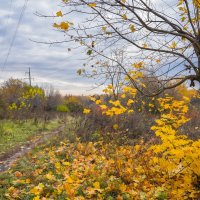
point(19, 99)
point(29, 102)
point(11, 90)
point(73, 104)
point(53, 98)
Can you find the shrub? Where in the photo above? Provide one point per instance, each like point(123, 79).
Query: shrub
point(62, 108)
point(74, 107)
point(74, 104)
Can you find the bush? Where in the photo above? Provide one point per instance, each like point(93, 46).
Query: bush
point(129, 126)
point(74, 107)
point(62, 108)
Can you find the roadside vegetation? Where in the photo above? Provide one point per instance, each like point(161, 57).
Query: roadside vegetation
point(28, 111)
point(14, 134)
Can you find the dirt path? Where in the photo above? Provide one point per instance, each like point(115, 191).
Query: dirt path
point(7, 160)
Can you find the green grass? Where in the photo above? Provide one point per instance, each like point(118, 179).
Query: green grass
point(24, 163)
point(13, 134)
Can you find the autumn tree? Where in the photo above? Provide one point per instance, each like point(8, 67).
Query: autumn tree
point(165, 36)
point(11, 90)
point(53, 98)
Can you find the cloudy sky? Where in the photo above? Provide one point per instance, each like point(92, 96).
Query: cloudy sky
point(49, 64)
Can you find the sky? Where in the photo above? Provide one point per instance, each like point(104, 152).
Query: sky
point(50, 65)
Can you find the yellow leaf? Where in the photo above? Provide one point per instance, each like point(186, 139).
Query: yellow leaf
point(139, 74)
point(130, 101)
point(96, 185)
point(69, 180)
point(115, 126)
point(173, 45)
point(110, 86)
point(138, 65)
point(151, 105)
point(98, 102)
point(155, 160)
point(36, 198)
point(122, 187)
point(137, 147)
point(145, 45)
point(37, 189)
point(50, 176)
point(92, 99)
point(104, 29)
point(103, 107)
point(115, 103)
point(132, 28)
point(59, 14)
point(57, 165)
point(130, 111)
point(86, 111)
point(68, 189)
point(28, 180)
point(63, 25)
point(92, 5)
point(66, 163)
point(124, 17)
point(123, 96)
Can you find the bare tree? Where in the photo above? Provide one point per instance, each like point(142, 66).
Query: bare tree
point(165, 35)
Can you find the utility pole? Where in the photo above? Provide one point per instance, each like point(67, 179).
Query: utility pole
point(29, 75)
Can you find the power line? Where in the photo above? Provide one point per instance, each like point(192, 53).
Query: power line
point(10, 8)
point(15, 34)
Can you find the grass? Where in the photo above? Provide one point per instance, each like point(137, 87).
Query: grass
point(13, 134)
point(25, 164)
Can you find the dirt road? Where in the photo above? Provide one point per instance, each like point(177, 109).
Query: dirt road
point(10, 158)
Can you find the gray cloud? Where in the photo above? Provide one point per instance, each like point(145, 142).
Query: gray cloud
point(49, 64)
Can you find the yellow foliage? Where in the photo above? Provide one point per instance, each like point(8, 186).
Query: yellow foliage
point(92, 5)
point(130, 101)
point(86, 111)
point(24, 102)
point(37, 189)
point(173, 45)
point(98, 102)
point(59, 14)
point(124, 17)
point(63, 25)
point(104, 29)
point(115, 126)
point(185, 92)
point(169, 169)
point(144, 45)
point(132, 28)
